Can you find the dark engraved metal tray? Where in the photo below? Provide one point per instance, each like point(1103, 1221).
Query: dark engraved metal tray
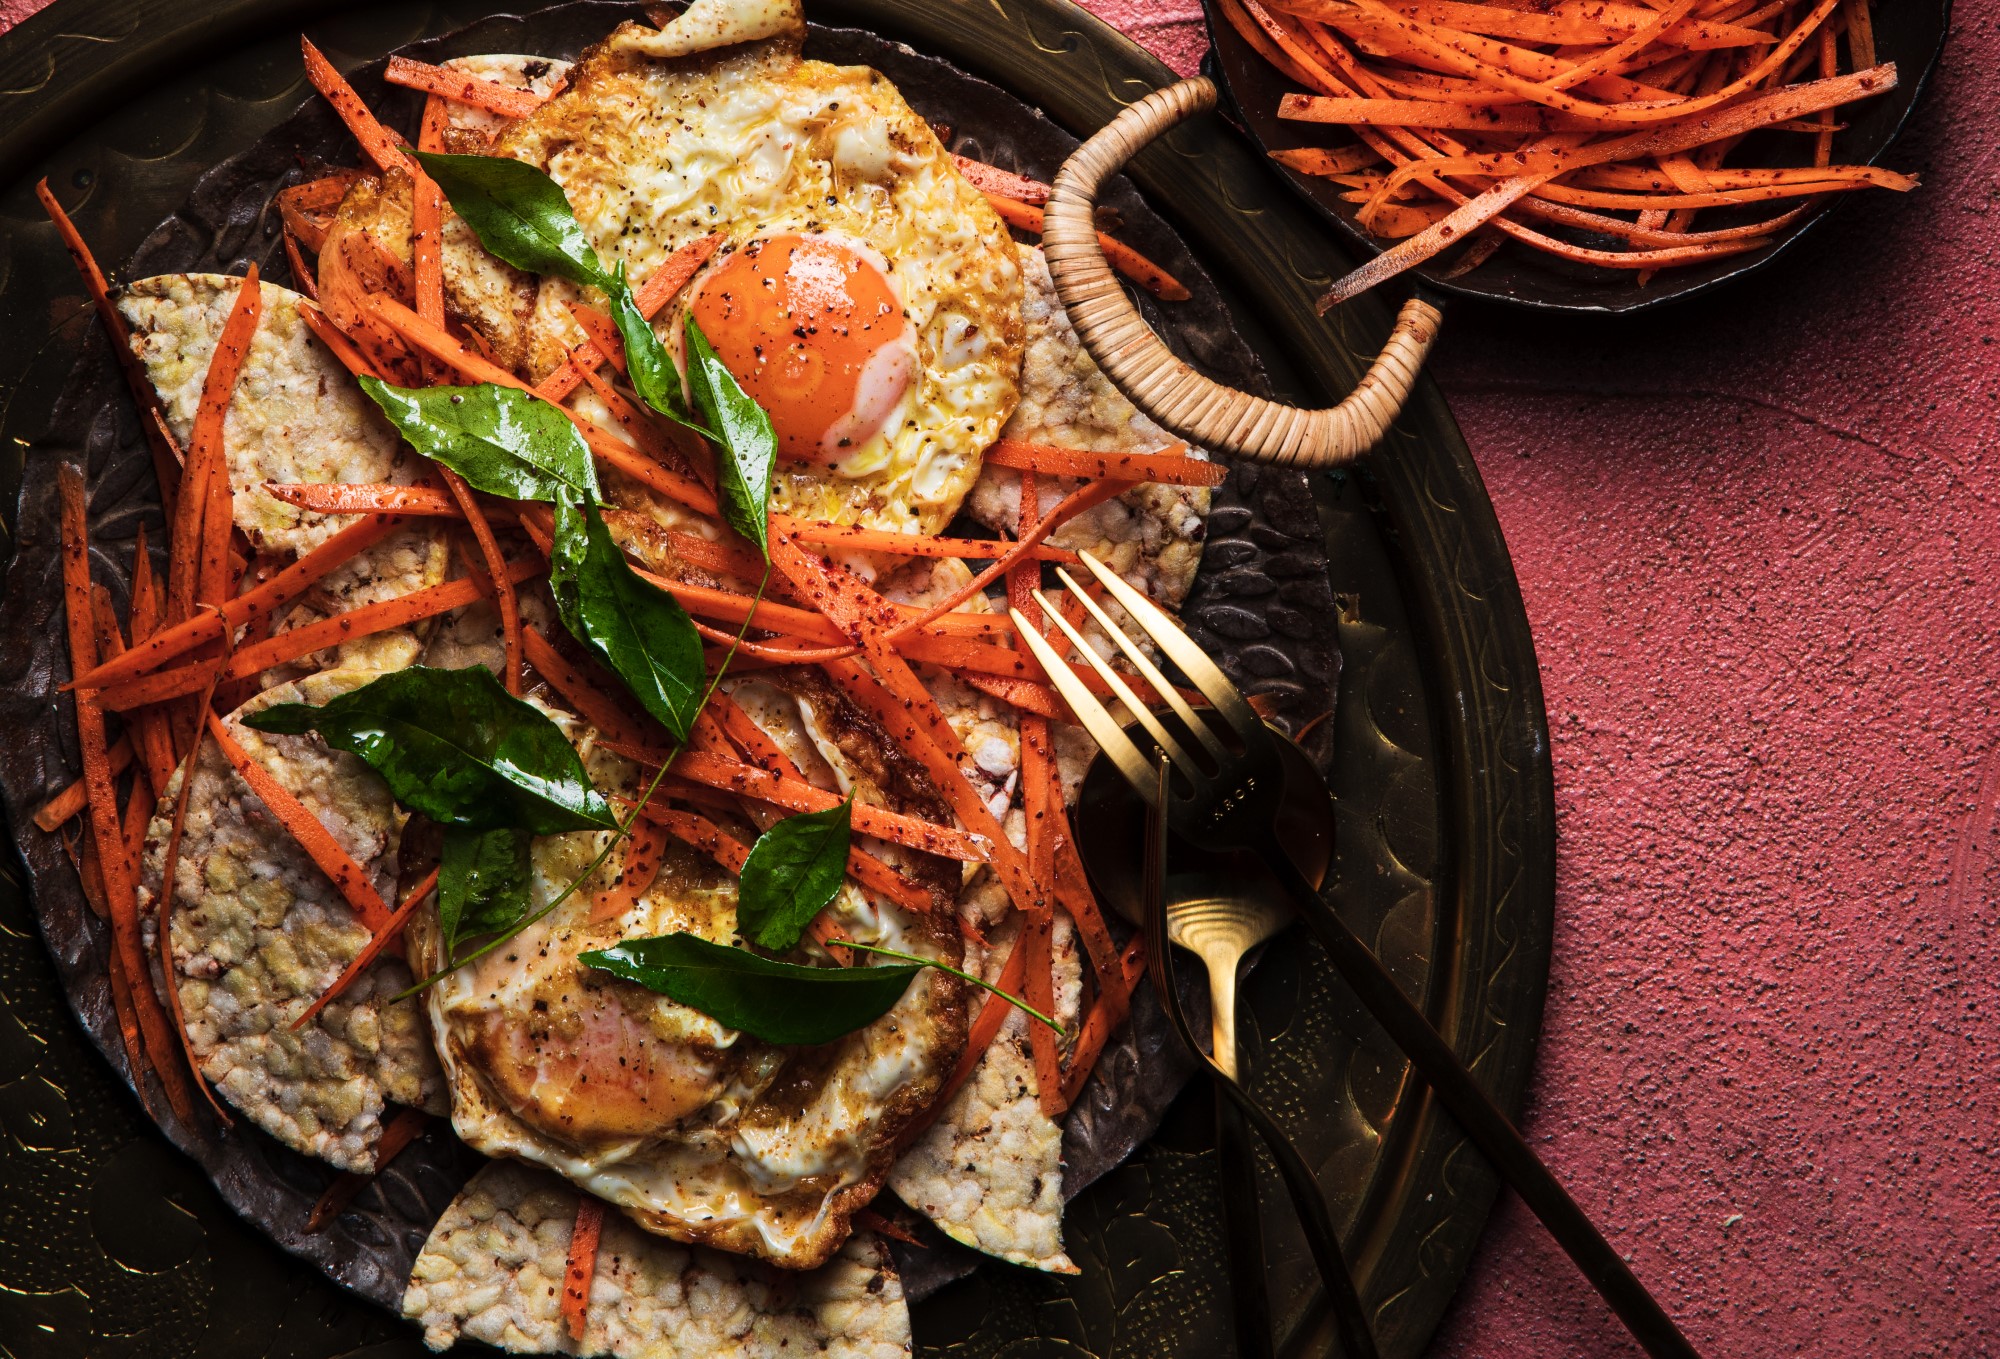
point(110, 1243)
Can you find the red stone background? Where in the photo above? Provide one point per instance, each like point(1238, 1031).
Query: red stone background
point(1758, 541)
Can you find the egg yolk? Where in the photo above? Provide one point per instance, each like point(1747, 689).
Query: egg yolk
point(812, 328)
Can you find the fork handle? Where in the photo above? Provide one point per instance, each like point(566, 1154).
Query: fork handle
point(1487, 1128)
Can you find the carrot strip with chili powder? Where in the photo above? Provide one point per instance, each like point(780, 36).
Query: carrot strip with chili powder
point(1027, 695)
point(1113, 1003)
point(1038, 989)
point(698, 832)
point(152, 423)
point(303, 278)
point(406, 1127)
point(75, 797)
point(992, 179)
point(336, 340)
point(366, 498)
point(1127, 261)
point(796, 795)
point(645, 849)
point(209, 462)
point(371, 950)
point(106, 829)
point(376, 141)
point(1166, 466)
point(288, 585)
point(582, 1265)
point(661, 287)
point(600, 332)
point(126, 1009)
point(347, 876)
point(993, 1013)
point(462, 88)
point(291, 645)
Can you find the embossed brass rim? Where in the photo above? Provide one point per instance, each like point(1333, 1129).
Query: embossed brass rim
point(1494, 802)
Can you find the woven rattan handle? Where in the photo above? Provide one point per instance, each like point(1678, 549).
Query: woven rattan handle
point(1195, 407)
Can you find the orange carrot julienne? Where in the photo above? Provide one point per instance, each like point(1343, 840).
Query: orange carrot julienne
point(993, 1013)
point(295, 643)
point(207, 458)
point(756, 744)
point(1127, 261)
point(335, 340)
point(1113, 1003)
point(856, 539)
point(371, 950)
point(1029, 696)
point(152, 421)
point(796, 795)
point(461, 87)
point(582, 1265)
point(376, 142)
point(73, 799)
point(496, 569)
point(1038, 989)
point(303, 278)
point(700, 833)
point(106, 828)
point(406, 1127)
point(1168, 466)
point(661, 287)
point(599, 331)
point(347, 876)
point(645, 849)
point(994, 180)
point(365, 498)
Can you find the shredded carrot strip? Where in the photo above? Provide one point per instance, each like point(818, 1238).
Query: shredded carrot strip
point(599, 331)
point(992, 179)
point(1113, 1003)
point(1168, 466)
point(1026, 695)
point(993, 1013)
point(73, 799)
point(347, 876)
point(644, 851)
point(661, 287)
point(152, 419)
point(1038, 987)
point(376, 141)
point(406, 1127)
point(172, 643)
point(462, 88)
point(371, 950)
point(1127, 261)
point(747, 780)
point(366, 498)
point(582, 1265)
point(106, 828)
point(590, 699)
point(204, 543)
point(365, 621)
point(303, 278)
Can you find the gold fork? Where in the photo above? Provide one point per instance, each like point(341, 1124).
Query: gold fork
point(1228, 798)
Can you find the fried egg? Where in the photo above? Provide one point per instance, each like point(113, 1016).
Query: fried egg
point(867, 295)
point(696, 1131)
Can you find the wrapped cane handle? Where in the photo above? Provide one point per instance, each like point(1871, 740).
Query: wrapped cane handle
point(1195, 407)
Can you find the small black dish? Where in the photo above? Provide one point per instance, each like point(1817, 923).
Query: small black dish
point(1910, 33)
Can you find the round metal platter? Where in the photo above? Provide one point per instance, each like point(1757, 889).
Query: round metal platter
point(112, 1243)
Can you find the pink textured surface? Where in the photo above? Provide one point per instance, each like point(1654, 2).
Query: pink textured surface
point(1758, 542)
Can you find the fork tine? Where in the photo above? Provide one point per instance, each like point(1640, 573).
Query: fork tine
point(1180, 648)
point(1096, 718)
point(1144, 665)
point(1119, 687)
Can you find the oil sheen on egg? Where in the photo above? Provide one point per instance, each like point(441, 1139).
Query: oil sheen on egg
point(867, 294)
point(696, 1131)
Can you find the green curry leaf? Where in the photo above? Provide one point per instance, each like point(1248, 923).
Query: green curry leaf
point(502, 441)
point(636, 628)
point(742, 430)
point(777, 1002)
point(456, 746)
point(792, 872)
point(518, 213)
point(483, 879)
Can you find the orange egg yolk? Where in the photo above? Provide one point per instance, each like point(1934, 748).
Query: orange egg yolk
point(812, 328)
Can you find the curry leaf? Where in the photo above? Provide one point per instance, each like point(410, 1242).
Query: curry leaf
point(503, 441)
point(791, 873)
point(483, 881)
point(637, 629)
point(646, 362)
point(519, 214)
point(777, 1002)
point(456, 746)
point(742, 429)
